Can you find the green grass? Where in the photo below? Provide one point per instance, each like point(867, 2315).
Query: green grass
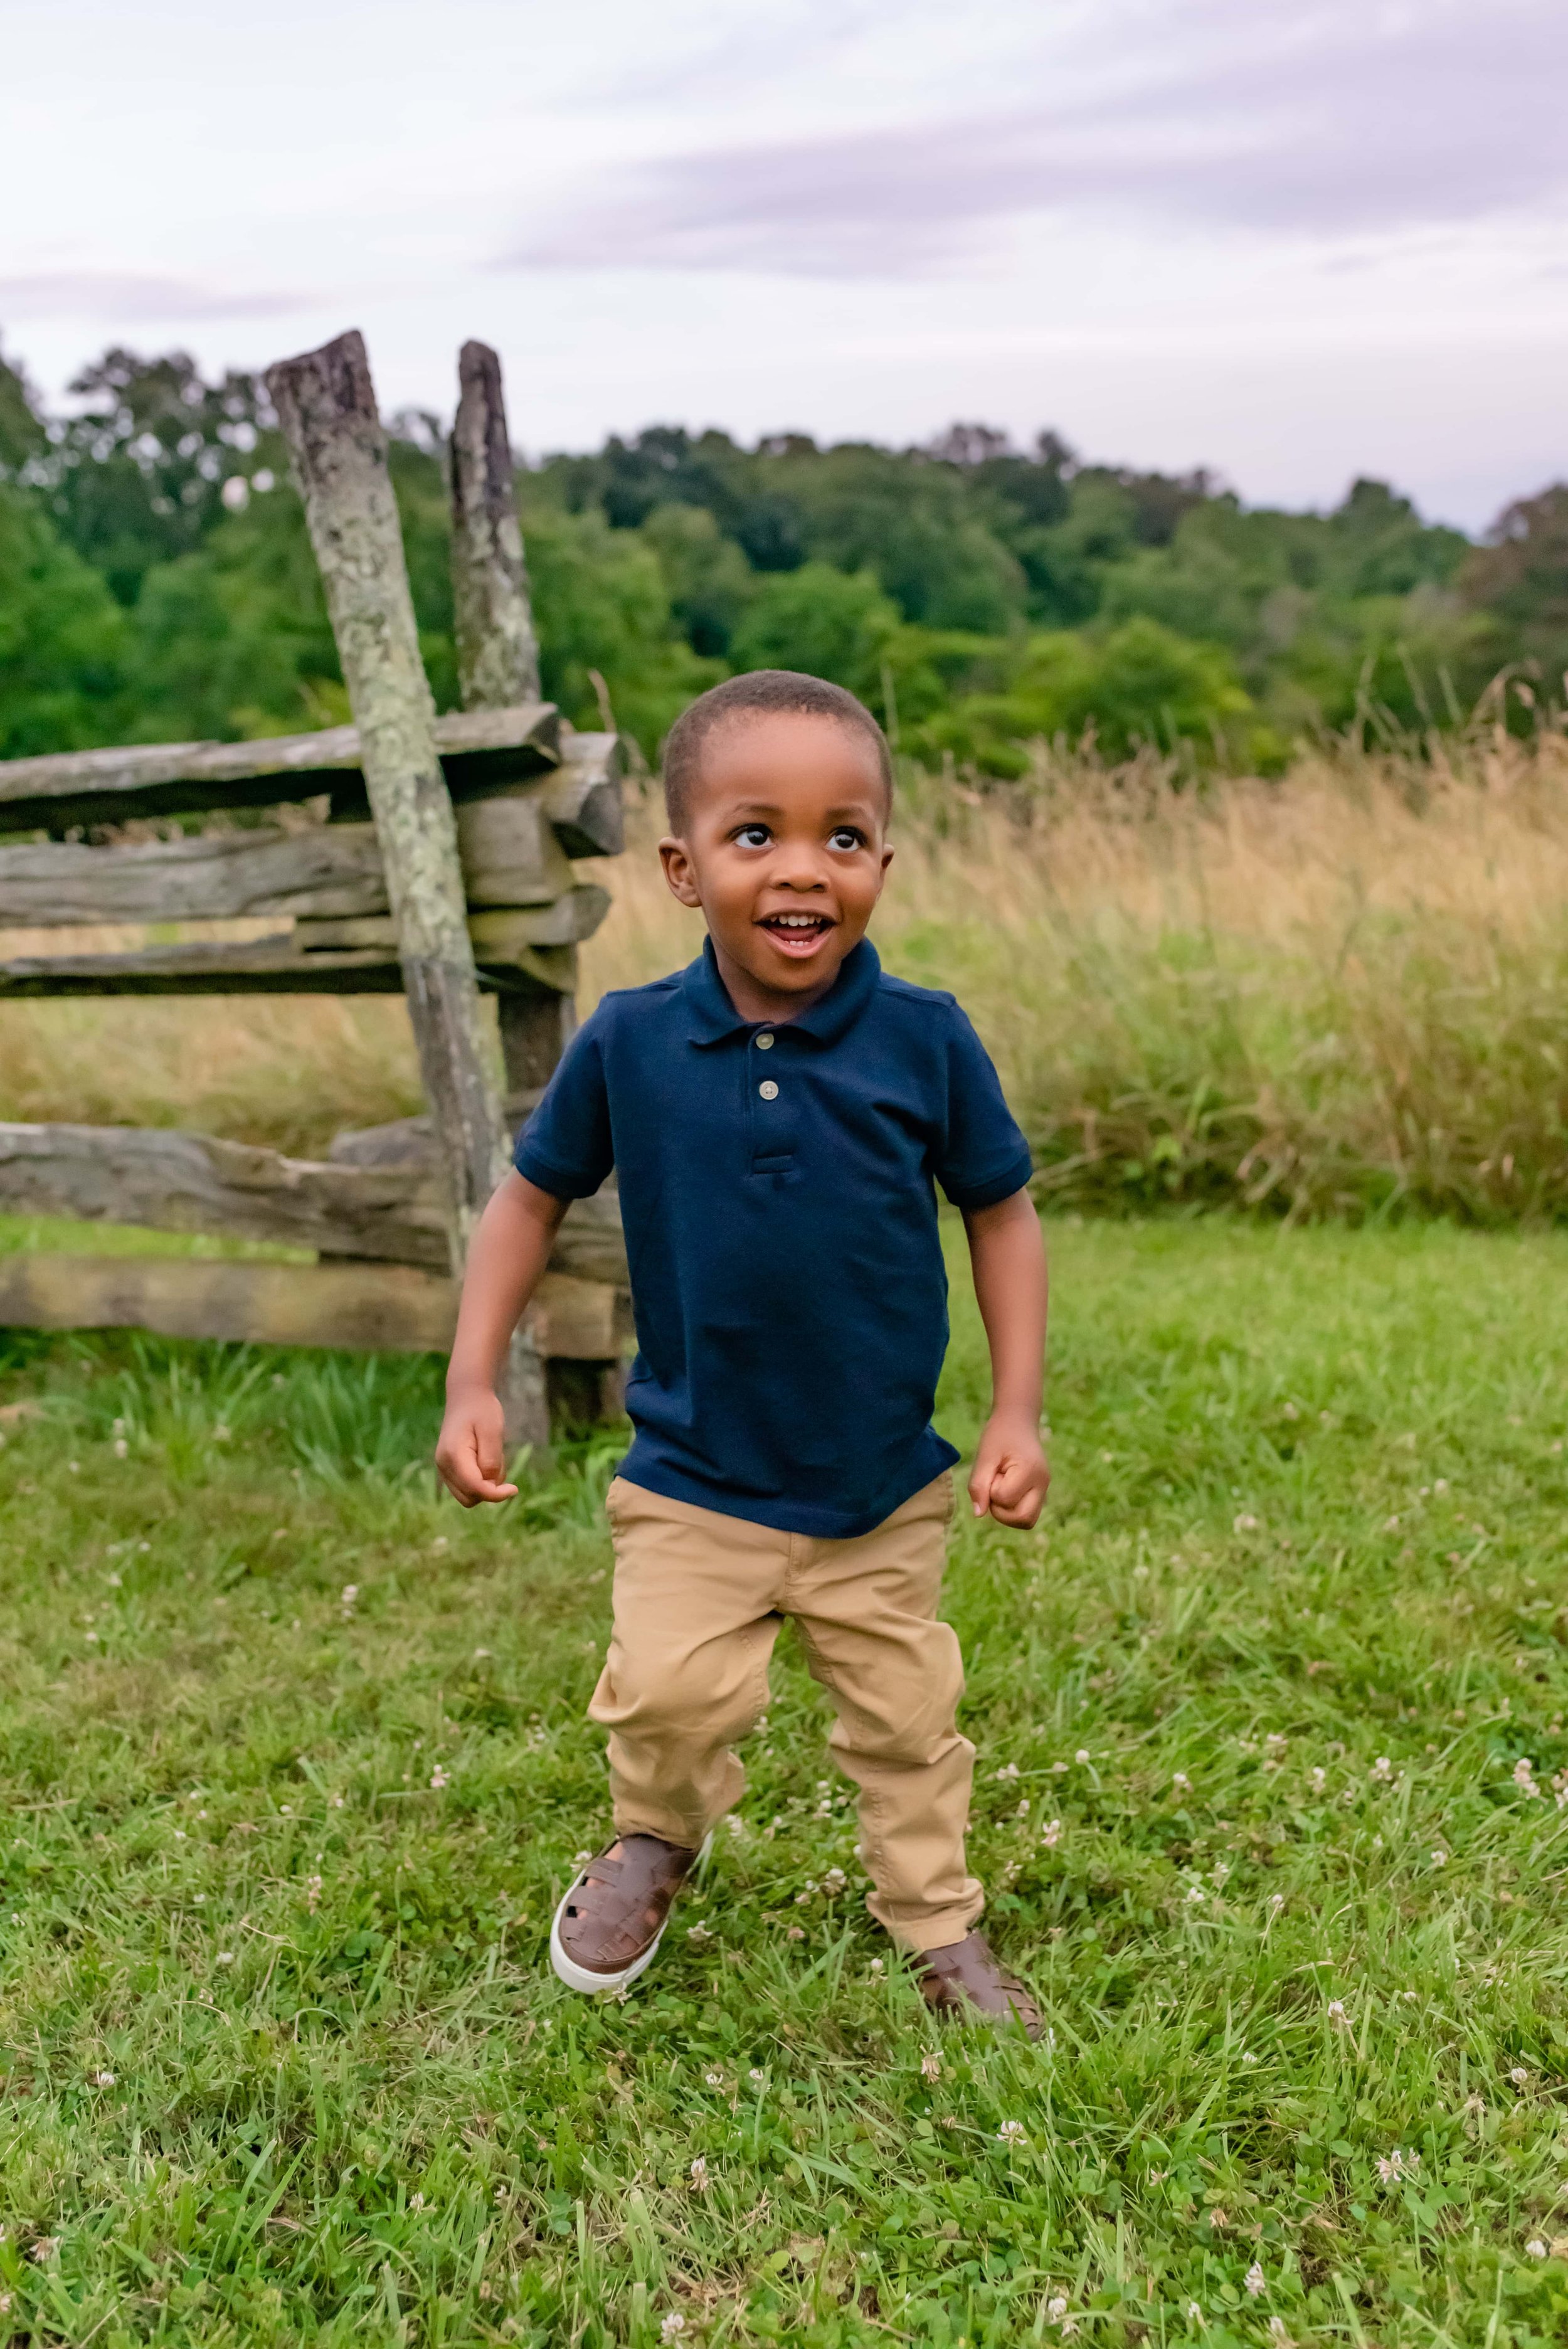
point(283, 2058)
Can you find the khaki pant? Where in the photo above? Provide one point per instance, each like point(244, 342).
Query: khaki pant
point(699, 1599)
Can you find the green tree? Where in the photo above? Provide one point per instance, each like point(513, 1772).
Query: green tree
point(1139, 685)
point(23, 435)
point(137, 475)
point(601, 605)
point(708, 578)
point(62, 639)
point(1519, 579)
point(829, 623)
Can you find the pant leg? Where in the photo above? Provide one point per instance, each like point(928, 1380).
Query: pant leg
point(696, 1595)
point(867, 1615)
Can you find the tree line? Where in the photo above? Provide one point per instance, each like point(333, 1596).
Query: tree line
point(156, 584)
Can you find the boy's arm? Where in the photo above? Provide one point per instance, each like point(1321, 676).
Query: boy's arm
point(507, 1256)
point(1007, 1254)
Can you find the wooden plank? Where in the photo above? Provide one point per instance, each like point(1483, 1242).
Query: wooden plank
point(498, 937)
point(328, 869)
point(275, 965)
point(382, 1203)
point(337, 449)
point(510, 857)
point(170, 1181)
point(481, 750)
point(268, 965)
point(579, 1321)
point(369, 1309)
point(583, 797)
point(510, 852)
point(498, 652)
point(379, 1308)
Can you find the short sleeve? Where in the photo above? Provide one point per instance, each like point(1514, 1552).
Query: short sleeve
point(982, 1156)
point(565, 1148)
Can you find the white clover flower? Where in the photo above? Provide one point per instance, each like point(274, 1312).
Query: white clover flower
point(1081, 1756)
point(673, 2326)
point(1337, 2013)
point(1520, 2076)
point(1194, 2313)
point(1440, 1856)
point(1524, 1777)
point(1181, 1784)
point(757, 2074)
point(1051, 1834)
point(1246, 1523)
point(931, 2067)
point(1382, 1769)
point(1536, 2248)
point(876, 1966)
point(1256, 2280)
point(713, 2079)
point(1056, 2309)
point(415, 2202)
point(438, 1778)
point(1318, 1780)
point(1012, 2133)
point(698, 2174)
point(225, 1957)
point(103, 2079)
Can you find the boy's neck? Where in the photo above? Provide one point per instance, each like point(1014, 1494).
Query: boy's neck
point(759, 1004)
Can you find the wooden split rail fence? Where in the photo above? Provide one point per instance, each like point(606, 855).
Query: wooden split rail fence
point(405, 852)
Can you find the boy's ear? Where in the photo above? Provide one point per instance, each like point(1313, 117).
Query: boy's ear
point(680, 872)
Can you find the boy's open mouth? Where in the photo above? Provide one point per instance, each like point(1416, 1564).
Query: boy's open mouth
point(797, 933)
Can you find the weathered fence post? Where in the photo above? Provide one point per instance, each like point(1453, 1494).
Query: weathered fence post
point(498, 651)
point(327, 405)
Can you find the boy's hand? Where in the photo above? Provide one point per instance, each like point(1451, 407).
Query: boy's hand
point(471, 1457)
point(1011, 1475)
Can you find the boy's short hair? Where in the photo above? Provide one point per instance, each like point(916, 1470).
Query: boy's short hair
point(760, 693)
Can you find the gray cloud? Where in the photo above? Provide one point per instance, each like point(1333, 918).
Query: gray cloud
point(129, 299)
point(1337, 121)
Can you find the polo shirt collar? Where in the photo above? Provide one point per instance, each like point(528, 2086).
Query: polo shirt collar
point(711, 1016)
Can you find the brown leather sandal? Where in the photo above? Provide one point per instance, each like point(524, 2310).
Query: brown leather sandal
point(610, 1925)
point(965, 1980)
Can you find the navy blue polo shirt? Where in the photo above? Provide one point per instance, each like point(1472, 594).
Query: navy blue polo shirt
point(777, 1186)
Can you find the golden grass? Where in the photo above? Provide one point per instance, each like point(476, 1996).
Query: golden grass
point(1341, 992)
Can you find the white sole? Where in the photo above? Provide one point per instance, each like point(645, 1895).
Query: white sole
point(578, 1977)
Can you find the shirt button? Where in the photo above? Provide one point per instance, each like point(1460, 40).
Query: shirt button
point(765, 1043)
point(768, 1090)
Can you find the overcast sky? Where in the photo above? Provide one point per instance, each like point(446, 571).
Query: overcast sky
point(1295, 240)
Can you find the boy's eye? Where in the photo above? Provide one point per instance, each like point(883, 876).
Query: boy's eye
point(845, 837)
point(753, 835)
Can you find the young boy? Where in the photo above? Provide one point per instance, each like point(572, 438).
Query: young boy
point(777, 1114)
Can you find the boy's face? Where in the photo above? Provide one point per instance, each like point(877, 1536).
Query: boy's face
point(784, 850)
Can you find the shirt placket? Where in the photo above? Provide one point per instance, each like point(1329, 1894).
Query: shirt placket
point(771, 1122)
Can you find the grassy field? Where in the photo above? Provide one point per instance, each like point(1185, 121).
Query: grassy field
point(1337, 995)
point(1271, 1718)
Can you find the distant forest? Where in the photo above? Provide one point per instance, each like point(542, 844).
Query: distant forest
point(156, 584)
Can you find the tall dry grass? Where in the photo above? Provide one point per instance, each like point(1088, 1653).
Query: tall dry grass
point(1340, 993)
